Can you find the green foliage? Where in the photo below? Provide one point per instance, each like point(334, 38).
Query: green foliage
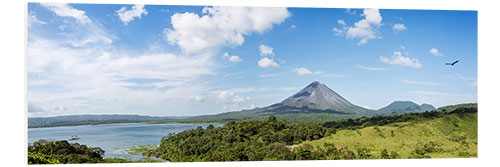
point(48, 152)
point(384, 120)
point(35, 158)
point(253, 140)
point(363, 153)
point(384, 154)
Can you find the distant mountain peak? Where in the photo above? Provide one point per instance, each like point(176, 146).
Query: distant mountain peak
point(316, 96)
point(405, 107)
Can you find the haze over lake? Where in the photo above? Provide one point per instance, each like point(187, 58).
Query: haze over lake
point(109, 137)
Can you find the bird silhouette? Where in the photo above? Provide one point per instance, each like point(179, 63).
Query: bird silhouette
point(451, 64)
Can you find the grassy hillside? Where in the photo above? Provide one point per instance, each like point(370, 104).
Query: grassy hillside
point(449, 136)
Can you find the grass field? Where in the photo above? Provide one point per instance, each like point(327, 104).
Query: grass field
point(451, 136)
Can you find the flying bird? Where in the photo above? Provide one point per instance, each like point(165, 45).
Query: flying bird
point(451, 64)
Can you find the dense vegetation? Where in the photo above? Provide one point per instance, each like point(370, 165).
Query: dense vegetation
point(273, 139)
point(54, 152)
point(68, 152)
point(238, 141)
point(384, 120)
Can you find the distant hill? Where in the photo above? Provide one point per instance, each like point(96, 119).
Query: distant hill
point(72, 120)
point(399, 107)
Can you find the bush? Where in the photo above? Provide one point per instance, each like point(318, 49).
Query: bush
point(48, 152)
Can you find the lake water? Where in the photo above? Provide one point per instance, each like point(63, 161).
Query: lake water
point(112, 138)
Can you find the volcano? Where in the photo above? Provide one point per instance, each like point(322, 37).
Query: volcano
point(318, 97)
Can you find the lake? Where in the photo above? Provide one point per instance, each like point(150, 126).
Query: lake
point(112, 138)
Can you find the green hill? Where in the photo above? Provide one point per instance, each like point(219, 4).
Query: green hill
point(451, 133)
point(399, 107)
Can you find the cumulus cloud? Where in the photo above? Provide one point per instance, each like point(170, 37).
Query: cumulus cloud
point(399, 27)
point(234, 102)
point(399, 59)
point(364, 30)
point(232, 58)
point(302, 71)
point(266, 50)
point(266, 62)
point(305, 71)
point(127, 16)
point(64, 10)
point(435, 52)
point(219, 26)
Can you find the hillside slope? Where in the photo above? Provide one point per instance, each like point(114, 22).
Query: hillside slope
point(449, 136)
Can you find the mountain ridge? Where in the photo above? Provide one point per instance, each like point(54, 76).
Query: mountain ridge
point(399, 107)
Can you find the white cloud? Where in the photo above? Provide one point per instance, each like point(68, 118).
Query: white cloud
point(33, 20)
point(435, 52)
point(64, 10)
point(341, 22)
point(398, 59)
point(399, 27)
point(77, 35)
point(349, 11)
point(266, 50)
point(305, 71)
point(370, 68)
point(266, 62)
point(318, 72)
point(302, 71)
point(219, 26)
point(127, 16)
point(421, 83)
point(338, 32)
point(233, 58)
point(364, 30)
point(234, 102)
point(269, 75)
point(57, 73)
point(197, 98)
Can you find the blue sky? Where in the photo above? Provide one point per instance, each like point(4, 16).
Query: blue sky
point(197, 60)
